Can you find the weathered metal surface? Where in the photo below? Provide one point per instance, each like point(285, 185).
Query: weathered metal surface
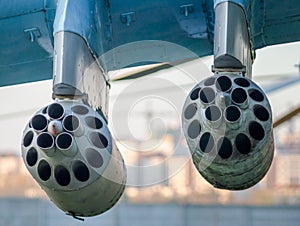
point(76, 73)
point(69, 151)
point(227, 122)
point(232, 46)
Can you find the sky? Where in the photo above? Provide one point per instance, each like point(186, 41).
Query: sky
point(20, 102)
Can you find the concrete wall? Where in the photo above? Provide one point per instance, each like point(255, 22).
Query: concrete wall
point(35, 212)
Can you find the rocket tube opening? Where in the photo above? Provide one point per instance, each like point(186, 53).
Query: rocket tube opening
point(39, 123)
point(194, 129)
point(94, 158)
point(31, 157)
point(206, 142)
point(243, 144)
point(224, 84)
point(224, 148)
point(28, 139)
point(98, 140)
point(93, 122)
point(80, 170)
point(242, 82)
point(62, 175)
point(256, 131)
point(45, 141)
point(213, 113)
point(195, 94)
point(44, 170)
point(71, 123)
point(256, 95)
point(232, 114)
point(55, 111)
point(64, 141)
point(207, 95)
point(80, 110)
point(190, 111)
point(261, 113)
point(239, 96)
point(210, 81)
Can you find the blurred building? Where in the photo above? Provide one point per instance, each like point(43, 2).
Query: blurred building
point(161, 171)
point(15, 180)
point(287, 169)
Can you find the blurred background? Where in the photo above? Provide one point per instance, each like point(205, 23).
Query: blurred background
point(163, 187)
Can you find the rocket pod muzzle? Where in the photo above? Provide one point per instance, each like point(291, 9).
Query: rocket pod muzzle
point(227, 122)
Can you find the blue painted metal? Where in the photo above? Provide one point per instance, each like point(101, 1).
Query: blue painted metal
point(208, 9)
point(15, 8)
point(106, 25)
point(271, 22)
point(20, 59)
point(100, 23)
point(159, 20)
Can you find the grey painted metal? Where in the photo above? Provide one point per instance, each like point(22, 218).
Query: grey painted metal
point(93, 24)
point(77, 39)
point(227, 122)
point(37, 212)
point(79, 167)
point(232, 47)
point(76, 73)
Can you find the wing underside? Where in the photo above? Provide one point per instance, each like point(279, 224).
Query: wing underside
point(128, 30)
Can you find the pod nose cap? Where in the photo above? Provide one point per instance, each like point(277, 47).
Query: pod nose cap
point(55, 127)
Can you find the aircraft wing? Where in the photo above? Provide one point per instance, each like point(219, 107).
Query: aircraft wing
point(26, 41)
point(131, 32)
point(273, 22)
